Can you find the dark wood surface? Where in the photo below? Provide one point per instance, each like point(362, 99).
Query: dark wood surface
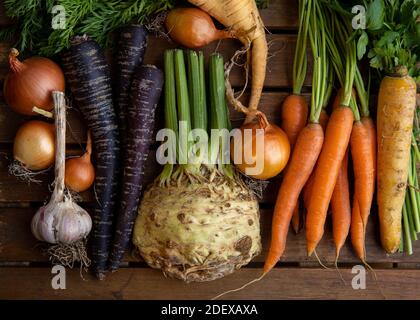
point(145, 283)
point(24, 268)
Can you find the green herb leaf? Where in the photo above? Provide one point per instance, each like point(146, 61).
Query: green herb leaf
point(408, 7)
point(361, 45)
point(375, 61)
point(387, 38)
point(375, 15)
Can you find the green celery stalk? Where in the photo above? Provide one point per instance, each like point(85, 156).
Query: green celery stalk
point(408, 244)
point(183, 106)
point(171, 121)
point(218, 110)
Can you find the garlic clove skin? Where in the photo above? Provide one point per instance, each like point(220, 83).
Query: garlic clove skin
point(42, 224)
point(35, 224)
point(61, 222)
point(74, 224)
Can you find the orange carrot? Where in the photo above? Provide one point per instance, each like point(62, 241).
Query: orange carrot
point(307, 148)
point(340, 205)
point(296, 219)
point(323, 119)
point(363, 149)
point(307, 190)
point(337, 135)
point(371, 131)
point(340, 201)
point(337, 138)
point(357, 231)
point(294, 114)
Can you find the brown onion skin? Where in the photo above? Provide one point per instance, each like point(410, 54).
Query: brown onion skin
point(30, 83)
point(276, 148)
point(79, 174)
point(192, 27)
point(79, 171)
point(34, 145)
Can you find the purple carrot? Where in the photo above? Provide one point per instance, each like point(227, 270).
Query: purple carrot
point(129, 54)
point(88, 75)
point(145, 93)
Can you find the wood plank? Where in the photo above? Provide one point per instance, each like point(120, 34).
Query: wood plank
point(281, 15)
point(18, 245)
point(142, 283)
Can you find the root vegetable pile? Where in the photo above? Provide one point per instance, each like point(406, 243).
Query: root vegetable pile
point(197, 221)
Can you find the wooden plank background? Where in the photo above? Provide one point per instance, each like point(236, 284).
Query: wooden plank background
point(296, 277)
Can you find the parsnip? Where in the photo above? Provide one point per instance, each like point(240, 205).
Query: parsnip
point(243, 19)
point(396, 104)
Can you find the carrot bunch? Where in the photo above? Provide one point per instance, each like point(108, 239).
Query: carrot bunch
point(320, 158)
point(306, 149)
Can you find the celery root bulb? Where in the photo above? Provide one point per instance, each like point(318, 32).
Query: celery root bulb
point(198, 231)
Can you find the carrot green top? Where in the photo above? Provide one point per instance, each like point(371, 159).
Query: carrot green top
point(300, 60)
point(320, 77)
point(343, 61)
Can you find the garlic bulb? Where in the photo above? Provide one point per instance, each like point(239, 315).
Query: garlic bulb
point(61, 220)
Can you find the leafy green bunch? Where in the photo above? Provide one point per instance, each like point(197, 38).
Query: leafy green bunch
point(96, 18)
point(33, 32)
point(391, 36)
point(393, 32)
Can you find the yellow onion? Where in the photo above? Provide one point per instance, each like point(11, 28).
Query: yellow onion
point(30, 83)
point(34, 145)
point(274, 155)
point(193, 27)
point(79, 172)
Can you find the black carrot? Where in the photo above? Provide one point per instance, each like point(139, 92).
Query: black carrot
point(145, 93)
point(128, 55)
point(88, 76)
